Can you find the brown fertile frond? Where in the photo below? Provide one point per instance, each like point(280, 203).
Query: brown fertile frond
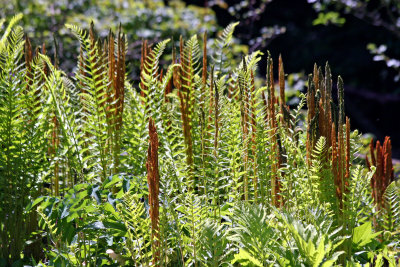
point(153, 181)
point(275, 157)
point(340, 159)
point(120, 80)
point(111, 67)
point(316, 77)
point(284, 109)
point(281, 82)
point(381, 158)
point(185, 94)
point(311, 115)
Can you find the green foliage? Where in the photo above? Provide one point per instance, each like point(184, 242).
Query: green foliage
point(316, 245)
point(151, 20)
point(235, 185)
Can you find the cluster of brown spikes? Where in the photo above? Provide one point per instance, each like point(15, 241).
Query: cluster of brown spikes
point(324, 119)
point(381, 158)
point(153, 180)
point(271, 103)
point(327, 120)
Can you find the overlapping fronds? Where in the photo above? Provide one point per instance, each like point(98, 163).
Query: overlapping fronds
point(221, 170)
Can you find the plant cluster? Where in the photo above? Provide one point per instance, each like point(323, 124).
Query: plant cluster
point(198, 165)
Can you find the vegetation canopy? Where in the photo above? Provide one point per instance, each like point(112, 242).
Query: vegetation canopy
point(199, 164)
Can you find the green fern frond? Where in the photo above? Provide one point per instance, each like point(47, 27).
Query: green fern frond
point(14, 20)
point(392, 207)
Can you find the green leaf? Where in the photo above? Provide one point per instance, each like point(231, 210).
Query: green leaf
point(363, 235)
point(245, 259)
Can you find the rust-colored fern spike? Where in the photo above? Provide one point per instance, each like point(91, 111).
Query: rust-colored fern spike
point(328, 83)
point(153, 180)
point(275, 184)
point(184, 95)
point(327, 100)
point(316, 77)
point(381, 158)
point(272, 88)
point(281, 82)
point(111, 69)
point(119, 96)
point(310, 118)
point(335, 161)
point(284, 110)
point(120, 80)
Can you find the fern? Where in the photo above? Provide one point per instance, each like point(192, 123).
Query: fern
point(316, 248)
point(132, 213)
point(22, 144)
point(221, 48)
point(253, 233)
point(215, 249)
point(392, 209)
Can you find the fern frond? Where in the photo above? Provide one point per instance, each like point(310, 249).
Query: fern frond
point(392, 207)
point(14, 20)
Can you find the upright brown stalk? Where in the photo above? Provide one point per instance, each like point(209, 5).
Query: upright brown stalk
point(285, 118)
point(281, 82)
point(186, 105)
point(120, 81)
point(310, 119)
point(111, 72)
point(153, 181)
point(381, 158)
point(275, 157)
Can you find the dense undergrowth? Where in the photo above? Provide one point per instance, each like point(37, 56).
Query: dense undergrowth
point(196, 166)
